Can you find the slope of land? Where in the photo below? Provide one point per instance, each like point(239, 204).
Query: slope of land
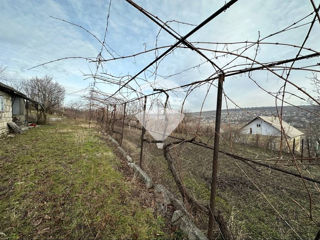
point(297, 116)
point(257, 202)
point(61, 182)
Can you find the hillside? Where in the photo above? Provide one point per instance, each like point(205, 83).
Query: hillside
point(299, 116)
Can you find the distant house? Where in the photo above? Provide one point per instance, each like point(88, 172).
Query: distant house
point(13, 107)
point(270, 126)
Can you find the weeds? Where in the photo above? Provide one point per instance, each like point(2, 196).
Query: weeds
point(60, 182)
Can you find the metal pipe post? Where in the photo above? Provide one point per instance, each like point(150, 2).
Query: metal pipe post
point(215, 157)
point(143, 131)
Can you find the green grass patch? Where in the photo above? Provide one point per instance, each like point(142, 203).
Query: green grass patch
point(60, 182)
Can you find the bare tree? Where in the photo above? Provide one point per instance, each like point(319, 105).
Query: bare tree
point(45, 91)
point(313, 131)
point(316, 82)
point(74, 110)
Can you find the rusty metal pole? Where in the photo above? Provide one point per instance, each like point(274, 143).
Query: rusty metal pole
point(143, 131)
point(124, 115)
point(215, 157)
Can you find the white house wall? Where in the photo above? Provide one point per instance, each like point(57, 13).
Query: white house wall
point(6, 115)
point(264, 129)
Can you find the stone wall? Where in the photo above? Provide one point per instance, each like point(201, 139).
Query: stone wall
point(6, 115)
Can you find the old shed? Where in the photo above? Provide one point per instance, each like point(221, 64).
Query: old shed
point(13, 107)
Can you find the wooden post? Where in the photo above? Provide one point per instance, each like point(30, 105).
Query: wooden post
point(294, 146)
point(302, 141)
point(143, 131)
point(124, 115)
point(113, 118)
point(107, 120)
point(37, 113)
point(102, 118)
point(27, 112)
point(215, 157)
point(308, 146)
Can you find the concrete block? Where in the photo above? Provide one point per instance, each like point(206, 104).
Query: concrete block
point(180, 217)
point(113, 140)
point(187, 226)
point(145, 178)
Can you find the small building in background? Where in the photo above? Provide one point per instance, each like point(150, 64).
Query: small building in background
point(266, 130)
point(14, 107)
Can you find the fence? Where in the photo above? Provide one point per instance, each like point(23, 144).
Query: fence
point(251, 181)
point(259, 194)
point(184, 167)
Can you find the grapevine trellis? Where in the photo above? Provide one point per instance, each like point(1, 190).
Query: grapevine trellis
point(115, 112)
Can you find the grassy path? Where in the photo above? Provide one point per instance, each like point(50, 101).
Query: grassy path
point(60, 182)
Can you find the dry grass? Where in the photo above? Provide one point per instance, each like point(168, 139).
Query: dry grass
point(60, 182)
point(258, 203)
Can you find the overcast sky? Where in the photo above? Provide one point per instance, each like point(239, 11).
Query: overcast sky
point(29, 36)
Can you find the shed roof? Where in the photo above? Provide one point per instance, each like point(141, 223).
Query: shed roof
point(289, 130)
point(12, 91)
